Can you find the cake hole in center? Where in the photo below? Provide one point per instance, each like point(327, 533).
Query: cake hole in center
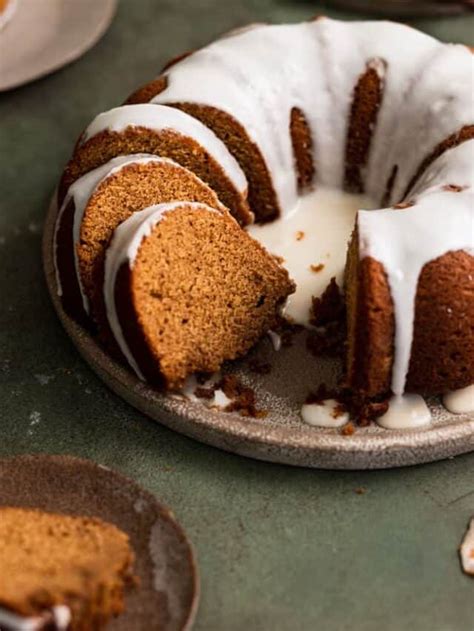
point(311, 241)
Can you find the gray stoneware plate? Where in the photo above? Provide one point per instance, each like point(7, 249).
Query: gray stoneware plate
point(281, 436)
point(168, 595)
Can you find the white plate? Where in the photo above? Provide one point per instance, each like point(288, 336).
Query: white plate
point(43, 35)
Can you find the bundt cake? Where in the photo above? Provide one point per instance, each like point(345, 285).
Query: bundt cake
point(268, 116)
point(61, 572)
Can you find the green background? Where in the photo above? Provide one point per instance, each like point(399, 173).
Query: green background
point(279, 548)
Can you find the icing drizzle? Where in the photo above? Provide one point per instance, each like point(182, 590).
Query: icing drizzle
point(160, 117)
point(404, 241)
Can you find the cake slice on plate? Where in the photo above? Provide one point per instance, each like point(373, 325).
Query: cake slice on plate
point(61, 572)
point(186, 289)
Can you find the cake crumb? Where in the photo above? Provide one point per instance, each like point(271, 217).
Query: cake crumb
point(329, 307)
point(454, 188)
point(403, 205)
point(317, 268)
point(243, 399)
point(360, 490)
point(204, 393)
point(361, 411)
point(466, 550)
point(348, 429)
point(299, 235)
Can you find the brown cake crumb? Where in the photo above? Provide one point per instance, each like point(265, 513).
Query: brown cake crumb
point(454, 188)
point(360, 490)
point(338, 411)
point(329, 341)
point(328, 315)
point(242, 397)
point(299, 235)
point(317, 268)
point(204, 393)
point(361, 410)
point(286, 330)
point(348, 429)
point(329, 307)
point(403, 205)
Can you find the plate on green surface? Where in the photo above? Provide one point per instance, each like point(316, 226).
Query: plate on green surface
point(281, 436)
point(167, 596)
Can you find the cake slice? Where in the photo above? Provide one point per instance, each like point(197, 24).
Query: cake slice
point(95, 205)
point(162, 131)
point(59, 570)
point(186, 288)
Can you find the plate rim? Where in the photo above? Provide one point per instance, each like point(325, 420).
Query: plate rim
point(308, 447)
point(70, 54)
point(164, 511)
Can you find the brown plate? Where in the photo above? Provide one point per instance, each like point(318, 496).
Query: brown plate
point(168, 595)
point(281, 436)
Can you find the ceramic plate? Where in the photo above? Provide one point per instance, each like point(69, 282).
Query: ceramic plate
point(169, 587)
point(43, 35)
point(281, 436)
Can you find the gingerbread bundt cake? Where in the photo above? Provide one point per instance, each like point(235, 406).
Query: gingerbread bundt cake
point(61, 572)
point(364, 107)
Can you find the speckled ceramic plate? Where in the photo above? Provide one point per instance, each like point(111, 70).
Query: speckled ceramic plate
point(43, 35)
point(281, 436)
point(167, 597)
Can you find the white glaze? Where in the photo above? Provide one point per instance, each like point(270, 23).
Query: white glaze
point(460, 401)
point(60, 614)
point(453, 167)
point(466, 550)
point(407, 411)
point(258, 75)
point(323, 414)
point(275, 339)
point(159, 118)
point(315, 232)
point(404, 241)
point(81, 192)
point(123, 248)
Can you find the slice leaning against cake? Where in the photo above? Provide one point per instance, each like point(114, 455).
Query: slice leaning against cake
point(186, 289)
point(59, 571)
point(95, 205)
point(162, 131)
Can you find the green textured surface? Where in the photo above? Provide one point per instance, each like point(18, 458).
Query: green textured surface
point(279, 548)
